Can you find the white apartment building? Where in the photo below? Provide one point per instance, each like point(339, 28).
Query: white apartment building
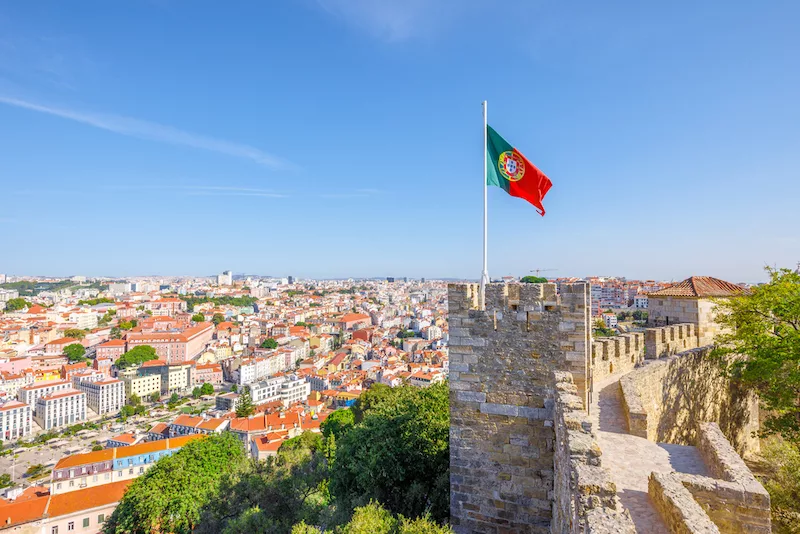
point(84, 320)
point(105, 396)
point(640, 302)
point(225, 279)
point(15, 420)
point(610, 319)
point(32, 393)
point(267, 390)
point(64, 407)
point(142, 386)
point(288, 390)
point(294, 390)
point(8, 294)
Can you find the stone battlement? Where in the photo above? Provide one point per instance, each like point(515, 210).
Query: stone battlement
point(665, 341)
point(616, 354)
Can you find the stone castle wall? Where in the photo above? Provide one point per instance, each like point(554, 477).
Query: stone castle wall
point(502, 398)
point(668, 340)
point(732, 502)
point(665, 400)
point(616, 354)
point(585, 498)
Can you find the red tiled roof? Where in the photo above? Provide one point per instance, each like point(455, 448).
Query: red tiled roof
point(27, 507)
point(86, 499)
point(700, 286)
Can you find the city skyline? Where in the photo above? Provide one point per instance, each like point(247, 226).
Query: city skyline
point(333, 139)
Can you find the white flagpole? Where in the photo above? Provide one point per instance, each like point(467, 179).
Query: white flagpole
point(485, 272)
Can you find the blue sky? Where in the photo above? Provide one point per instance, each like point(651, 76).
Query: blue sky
point(338, 138)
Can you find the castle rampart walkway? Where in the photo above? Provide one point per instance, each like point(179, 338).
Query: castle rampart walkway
point(631, 459)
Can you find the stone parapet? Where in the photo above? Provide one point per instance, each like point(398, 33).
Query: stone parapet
point(616, 354)
point(668, 340)
point(665, 399)
point(585, 496)
point(502, 392)
point(733, 503)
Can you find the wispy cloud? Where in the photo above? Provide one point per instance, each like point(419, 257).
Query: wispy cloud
point(393, 20)
point(154, 132)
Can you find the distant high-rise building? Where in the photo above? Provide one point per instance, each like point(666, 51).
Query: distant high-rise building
point(405, 279)
point(422, 280)
point(291, 279)
point(225, 279)
point(390, 278)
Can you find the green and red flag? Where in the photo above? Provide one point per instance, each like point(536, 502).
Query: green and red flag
point(508, 169)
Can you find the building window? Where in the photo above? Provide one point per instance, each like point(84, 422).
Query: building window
point(71, 525)
point(85, 522)
point(101, 518)
point(54, 530)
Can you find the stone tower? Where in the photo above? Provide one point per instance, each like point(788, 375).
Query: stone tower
point(502, 391)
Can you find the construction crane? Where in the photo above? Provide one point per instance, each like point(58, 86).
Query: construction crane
point(537, 271)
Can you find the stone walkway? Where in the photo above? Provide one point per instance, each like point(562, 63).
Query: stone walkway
point(631, 459)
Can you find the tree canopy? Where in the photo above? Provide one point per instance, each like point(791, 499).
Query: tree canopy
point(245, 407)
point(533, 280)
point(136, 356)
point(217, 318)
point(207, 389)
point(170, 495)
point(269, 343)
point(764, 327)
point(75, 352)
point(397, 453)
point(17, 304)
point(75, 333)
point(198, 318)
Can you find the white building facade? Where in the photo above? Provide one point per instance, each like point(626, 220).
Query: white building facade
point(66, 407)
point(15, 420)
point(105, 396)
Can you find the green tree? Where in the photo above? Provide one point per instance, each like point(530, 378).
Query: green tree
point(75, 352)
point(397, 453)
point(134, 400)
point(196, 392)
point(217, 318)
point(782, 481)
point(97, 447)
point(127, 325)
point(272, 496)
point(338, 423)
point(234, 388)
point(75, 333)
point(17, 304)
point(245, 407)
point(760, 348)
point(639, 315)
point(169, 497)
point(533, 280)
point(375, 519)
point(269, 343)
point(155, 396)
point(116, 333)
point(174, 398)
point(136, 356)
point(198, 318)
point(5, 481)
point(207, 389)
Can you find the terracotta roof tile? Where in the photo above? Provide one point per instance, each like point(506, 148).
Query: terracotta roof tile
point(700, 286)
point(86, 499)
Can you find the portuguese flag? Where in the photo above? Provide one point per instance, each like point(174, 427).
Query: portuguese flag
point(508, 169)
